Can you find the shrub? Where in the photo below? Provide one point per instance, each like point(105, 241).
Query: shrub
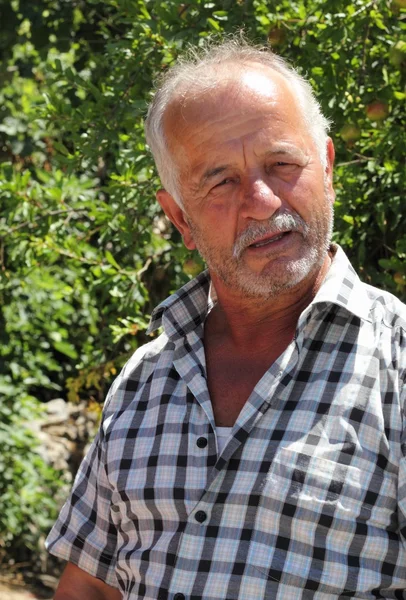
point(85, 252)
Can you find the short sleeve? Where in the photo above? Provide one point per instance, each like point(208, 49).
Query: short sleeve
point(84, 533)
point(402, 471)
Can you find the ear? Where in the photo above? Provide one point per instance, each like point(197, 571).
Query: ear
point(177, 216)
point(329, 168)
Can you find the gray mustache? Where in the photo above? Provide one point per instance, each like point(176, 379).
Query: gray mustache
point(276, 224)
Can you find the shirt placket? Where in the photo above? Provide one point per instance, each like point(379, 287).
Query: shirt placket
point(190, 549)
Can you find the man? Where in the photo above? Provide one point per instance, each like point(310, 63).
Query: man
point(255, 449)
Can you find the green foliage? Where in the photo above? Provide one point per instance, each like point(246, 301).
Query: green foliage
point(29, 488)
point(85, 253)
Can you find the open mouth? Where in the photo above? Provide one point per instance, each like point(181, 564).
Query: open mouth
point(269, 240)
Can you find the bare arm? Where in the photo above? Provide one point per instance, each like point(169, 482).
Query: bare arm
point(76, 584)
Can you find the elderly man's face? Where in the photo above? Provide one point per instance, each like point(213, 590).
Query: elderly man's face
point(258, 203)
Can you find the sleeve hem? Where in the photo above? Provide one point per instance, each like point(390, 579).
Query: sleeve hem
point(98, 568)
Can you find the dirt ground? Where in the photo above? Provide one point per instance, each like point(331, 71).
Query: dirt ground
point(15, 591)
point(24, 581)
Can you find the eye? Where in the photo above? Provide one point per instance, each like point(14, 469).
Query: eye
point(282, 167)
point(224, 182)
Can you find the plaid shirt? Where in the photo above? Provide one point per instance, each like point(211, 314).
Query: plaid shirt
point(307, 499)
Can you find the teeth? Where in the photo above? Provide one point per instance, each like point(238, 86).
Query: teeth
point(265, 242)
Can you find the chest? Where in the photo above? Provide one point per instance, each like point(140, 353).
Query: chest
point(231, 378)
point(315, 462)
point(230, 383)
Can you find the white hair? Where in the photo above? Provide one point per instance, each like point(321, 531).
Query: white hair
point(196, 69)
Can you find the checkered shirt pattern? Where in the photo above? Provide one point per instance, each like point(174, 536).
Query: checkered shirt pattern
point(307, 499)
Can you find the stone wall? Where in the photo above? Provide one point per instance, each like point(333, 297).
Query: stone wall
point(65, 432)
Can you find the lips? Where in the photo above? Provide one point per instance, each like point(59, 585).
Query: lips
point(260, 236)
point(268, 240)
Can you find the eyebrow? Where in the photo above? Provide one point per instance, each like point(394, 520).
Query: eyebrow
point(283, 150)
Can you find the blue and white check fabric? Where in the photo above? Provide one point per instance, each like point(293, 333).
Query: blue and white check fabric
point(307, 499)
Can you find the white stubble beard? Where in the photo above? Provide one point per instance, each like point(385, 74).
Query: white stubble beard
point(233, 271)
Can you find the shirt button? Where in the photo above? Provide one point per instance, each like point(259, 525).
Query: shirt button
point(200, 516)
point(179, 597)
point(201, 442)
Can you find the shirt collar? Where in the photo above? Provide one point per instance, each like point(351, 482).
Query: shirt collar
point(343, 287)
point(187, 308)
point(184, 310)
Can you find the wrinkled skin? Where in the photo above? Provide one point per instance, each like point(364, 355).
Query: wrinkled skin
point(257, 200)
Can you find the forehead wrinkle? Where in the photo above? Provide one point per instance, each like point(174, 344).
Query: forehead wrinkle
point(189, 112)
point(204, 110)
point(228, 83)
point(241, 139)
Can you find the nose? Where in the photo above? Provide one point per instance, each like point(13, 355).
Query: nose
point(259, 200)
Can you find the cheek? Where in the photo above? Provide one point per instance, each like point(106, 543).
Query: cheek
point(219, 231)
point(222, 204)
point(219, 217)
point(306, 193)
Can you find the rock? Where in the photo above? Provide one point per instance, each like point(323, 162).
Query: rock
point(65, 432)
point(58, 406)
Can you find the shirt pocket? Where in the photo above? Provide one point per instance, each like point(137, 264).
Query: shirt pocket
point(309, 502)
point(310, 480)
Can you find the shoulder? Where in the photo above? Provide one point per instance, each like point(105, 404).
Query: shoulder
point(387, 318)
point(135, 373)
point(386, 308)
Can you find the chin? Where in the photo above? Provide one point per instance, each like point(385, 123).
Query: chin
point(274, 280)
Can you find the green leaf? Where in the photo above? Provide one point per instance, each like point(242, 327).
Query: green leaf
point(220, 15)
point(317, 71)
point(213, 24)
point(61, 148)
point(110, 258)
point(263, 20)
point(66, 348)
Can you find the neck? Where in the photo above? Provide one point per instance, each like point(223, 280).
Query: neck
point(251, 321)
